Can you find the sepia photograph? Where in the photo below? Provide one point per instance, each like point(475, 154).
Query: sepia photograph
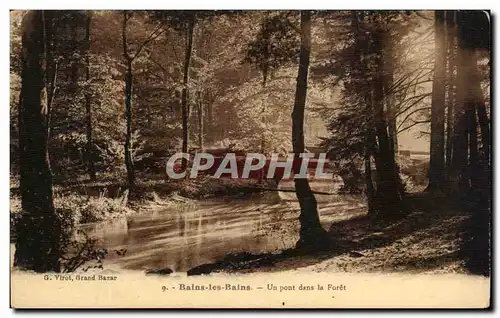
point(250, 159)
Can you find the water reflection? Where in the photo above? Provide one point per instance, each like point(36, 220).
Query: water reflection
point(183, 238)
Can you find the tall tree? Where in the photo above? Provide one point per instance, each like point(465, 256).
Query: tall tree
point(38, 242)
point(460, 154)
point(472, 99)
point(185, 83)
point(467, 161)
point(274, 47)
point(200, 121)
point(88, 106)
point(129, 60)
point(389, 61)
point(359, 64)
point(474, 182)
point(51, 67)
point(388, 187)
point(312, 234)
point(129, 164)
point(484, 122)
point(436, 165)
point(372, 98)
point(450, 83)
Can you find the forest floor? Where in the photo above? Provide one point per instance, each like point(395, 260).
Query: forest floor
point(428, 239)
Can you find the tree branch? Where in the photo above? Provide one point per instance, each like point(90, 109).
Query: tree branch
point(153, 36)
point(126, 17)
point(411, 113)
point(414, 124)
point(419, 99)
point(165, 71)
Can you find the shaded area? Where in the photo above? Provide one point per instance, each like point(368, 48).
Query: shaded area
point(434, 237)
point(477, 231)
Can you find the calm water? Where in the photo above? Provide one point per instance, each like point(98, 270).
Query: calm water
point(203, 232)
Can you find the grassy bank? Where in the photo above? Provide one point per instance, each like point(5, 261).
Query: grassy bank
point(87, 201)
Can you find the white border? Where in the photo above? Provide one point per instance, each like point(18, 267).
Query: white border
point(253, 5)
point(198, 4)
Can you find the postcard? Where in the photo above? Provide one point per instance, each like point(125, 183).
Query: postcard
point(250, 159)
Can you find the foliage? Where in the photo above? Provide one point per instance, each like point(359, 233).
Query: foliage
point(276, 44)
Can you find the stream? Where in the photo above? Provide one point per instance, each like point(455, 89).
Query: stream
point(183, 236)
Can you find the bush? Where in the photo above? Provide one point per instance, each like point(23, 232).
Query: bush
point(90, 209)
point(418, 172)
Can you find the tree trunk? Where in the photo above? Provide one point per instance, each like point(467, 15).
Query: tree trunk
point(473, 153)
point(450, 84)
point(393, 136)
point(185, 91)
point(460, 172)
point(39, 230)
point(129, 164)
point(482, 116)
point(263, 114)
point(388, 76)
point(370, 190)
point(264, 121)
point(484, 124)
point(312, 234)
point(50, 72)
point(436, 164)
point(73, 24)
point(475, 101)
point(88, 106)
point(361, 49)
point(388, 189)
point(460, 143)
point(210, 128)
point(389, 97)
point(460, 149)
point(474, 185)
point(200, 121)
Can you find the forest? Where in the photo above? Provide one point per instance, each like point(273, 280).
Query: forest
point(99, 100)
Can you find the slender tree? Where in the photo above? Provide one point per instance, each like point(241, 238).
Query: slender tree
point(484, 122)
point(88, 106)
point(312, 234)
point(436, 165)
point(51, 70)
point(129, 60)
point(274, 47)
point(389, 61)
point(388, 188)
point(460, 171)
point(450, 83)
point(360, 48)
point(129, 163)
point(185, 84)
point(200, 121)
